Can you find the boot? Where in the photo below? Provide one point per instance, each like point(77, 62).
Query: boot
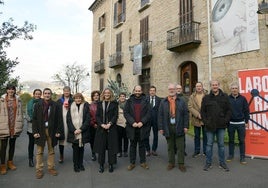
point(11, 166)
point(31, 163)
point(3, 169)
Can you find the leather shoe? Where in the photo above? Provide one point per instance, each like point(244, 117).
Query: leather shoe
point(145, 166)
point(182, 168)
point(82, 168)
point(131, 166)
point(111, 168)
point(101, 169)
point(39, 174)
point(170, 166)
point(154, 153)
point(52, 172)
point(76, 169)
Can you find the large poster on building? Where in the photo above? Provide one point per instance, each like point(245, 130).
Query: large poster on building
point(234, 26)
point(254, 86)
point(137, 62)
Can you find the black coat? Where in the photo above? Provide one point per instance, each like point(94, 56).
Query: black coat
point(130, 118)
point(154, 111)
point(181, 117)
point(84, 127)
point(216, 111)
point(106, 139)
point(54, 126)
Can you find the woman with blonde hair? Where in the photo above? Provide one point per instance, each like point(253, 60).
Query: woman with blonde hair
point(78, 130)
point(106, 134)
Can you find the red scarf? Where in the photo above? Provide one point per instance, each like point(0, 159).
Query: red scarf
point(172, 106)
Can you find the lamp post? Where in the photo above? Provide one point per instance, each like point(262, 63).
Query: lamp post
point(263, 8)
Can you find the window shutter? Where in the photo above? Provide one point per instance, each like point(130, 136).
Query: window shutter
point(115, 14)
point(119, 42)
point(102, 50)
point(123, 10)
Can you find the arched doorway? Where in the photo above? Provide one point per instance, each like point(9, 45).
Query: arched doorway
point(188, 74)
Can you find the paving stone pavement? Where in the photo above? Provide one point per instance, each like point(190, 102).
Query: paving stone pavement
point(251, 175)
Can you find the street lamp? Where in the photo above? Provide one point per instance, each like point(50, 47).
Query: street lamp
point(263, 8)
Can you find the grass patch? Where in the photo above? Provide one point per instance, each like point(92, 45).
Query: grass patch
point(226, 138)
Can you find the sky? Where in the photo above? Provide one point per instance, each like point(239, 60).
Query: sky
point(63, 36)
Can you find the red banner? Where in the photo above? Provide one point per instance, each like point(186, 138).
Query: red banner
point(254, 86)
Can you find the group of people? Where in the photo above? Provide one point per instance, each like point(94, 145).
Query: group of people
point(107, 122)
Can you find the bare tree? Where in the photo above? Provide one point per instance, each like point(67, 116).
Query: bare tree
point(72, 75)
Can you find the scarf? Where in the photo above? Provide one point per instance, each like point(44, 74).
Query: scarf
point(105, 119)
point(122, 105)
point(172, 106)
point(77, 119)
point(12, 109)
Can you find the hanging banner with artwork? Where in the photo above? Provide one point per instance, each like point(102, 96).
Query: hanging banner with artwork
point(234, 26)
point(137, 62)
point(254, 86)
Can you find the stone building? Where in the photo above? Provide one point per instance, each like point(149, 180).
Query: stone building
point(183, 41)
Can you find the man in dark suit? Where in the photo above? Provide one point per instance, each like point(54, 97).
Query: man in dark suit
point(154, 103)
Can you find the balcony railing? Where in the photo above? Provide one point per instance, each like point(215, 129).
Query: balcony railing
point(184, 37)
point(146, 50)
point(99, 66)
point(115, 60)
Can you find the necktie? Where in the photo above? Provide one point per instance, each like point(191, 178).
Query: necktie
point(152, 102)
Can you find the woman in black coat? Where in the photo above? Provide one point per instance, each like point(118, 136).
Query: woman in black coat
point(106, 134)
point(78, 130)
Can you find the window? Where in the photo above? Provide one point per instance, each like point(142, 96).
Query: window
point(186, 11)
point(102, 50)
point(102, 20)
point(119, 80)
point(119, 12)
point(144, 29)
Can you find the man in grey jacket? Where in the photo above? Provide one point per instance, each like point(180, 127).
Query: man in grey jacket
point(173, 123)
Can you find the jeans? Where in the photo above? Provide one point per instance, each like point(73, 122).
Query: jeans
point(219, 133)
point(197, 138)
point(241, 131)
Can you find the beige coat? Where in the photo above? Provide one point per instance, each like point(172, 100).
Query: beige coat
point(4, 127)
point(195, 109)
point(121, 121)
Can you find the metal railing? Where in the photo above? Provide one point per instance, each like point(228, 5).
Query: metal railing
point(99, 66)
point(186, 33)
point(115, 59)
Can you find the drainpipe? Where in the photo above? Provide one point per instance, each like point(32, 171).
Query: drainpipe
point(209, 40)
